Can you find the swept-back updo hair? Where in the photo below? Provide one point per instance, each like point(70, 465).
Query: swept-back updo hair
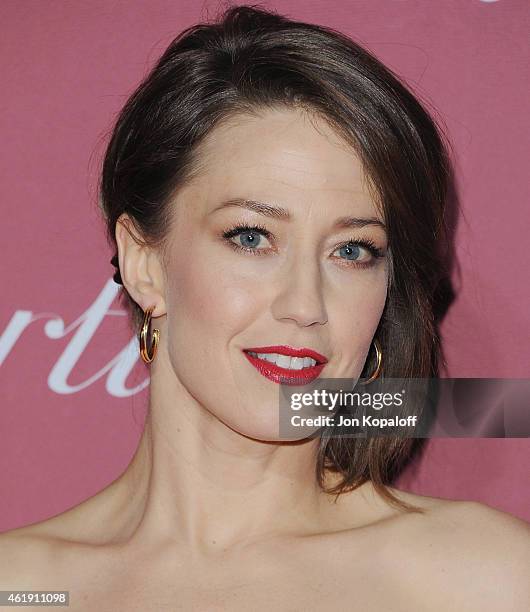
point(251, 60)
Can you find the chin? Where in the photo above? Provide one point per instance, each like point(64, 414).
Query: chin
point(264, 430)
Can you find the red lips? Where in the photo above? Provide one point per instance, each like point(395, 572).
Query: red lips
point(285, 375)
point(290, 351)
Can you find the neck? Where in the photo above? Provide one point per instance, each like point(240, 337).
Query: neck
point(199, 484)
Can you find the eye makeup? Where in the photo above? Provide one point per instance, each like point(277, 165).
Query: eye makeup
point(353, 244)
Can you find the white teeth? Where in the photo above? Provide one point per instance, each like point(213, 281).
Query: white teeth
point(284, 361)
point(297, 363)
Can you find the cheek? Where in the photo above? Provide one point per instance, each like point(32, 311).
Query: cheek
point(354, 326)
point(208, 296)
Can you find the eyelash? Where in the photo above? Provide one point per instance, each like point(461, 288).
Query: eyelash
point(366, 243)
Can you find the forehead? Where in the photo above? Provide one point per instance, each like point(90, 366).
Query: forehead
point(285, 156)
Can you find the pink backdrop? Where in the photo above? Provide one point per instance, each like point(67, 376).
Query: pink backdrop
point(73, 392)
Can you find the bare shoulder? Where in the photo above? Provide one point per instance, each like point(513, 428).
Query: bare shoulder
point(30, 555)
point(26, 559)
point(491, 533)
point(100, 519)
point(53, 554)
point(468, 555)
point(61, 527)
point(498, 546)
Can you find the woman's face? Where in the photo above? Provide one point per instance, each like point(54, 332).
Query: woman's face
point(292, 282)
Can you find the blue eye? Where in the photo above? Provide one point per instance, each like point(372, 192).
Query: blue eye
point(250, 238)
point(350, 251)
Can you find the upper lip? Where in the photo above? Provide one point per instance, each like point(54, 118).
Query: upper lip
point(290, 351)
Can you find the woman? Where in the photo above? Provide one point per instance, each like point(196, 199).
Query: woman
point(271, 187)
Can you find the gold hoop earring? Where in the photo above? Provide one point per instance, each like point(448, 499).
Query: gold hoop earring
point(148, 355)
point(379, 354)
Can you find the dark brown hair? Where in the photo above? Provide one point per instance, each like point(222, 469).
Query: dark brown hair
point(251, 59)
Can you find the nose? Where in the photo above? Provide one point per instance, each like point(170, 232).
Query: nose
point(301, 296)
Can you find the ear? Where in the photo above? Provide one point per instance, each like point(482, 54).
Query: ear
point(140, 267)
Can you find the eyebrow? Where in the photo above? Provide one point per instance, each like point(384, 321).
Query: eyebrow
point(277, 212)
